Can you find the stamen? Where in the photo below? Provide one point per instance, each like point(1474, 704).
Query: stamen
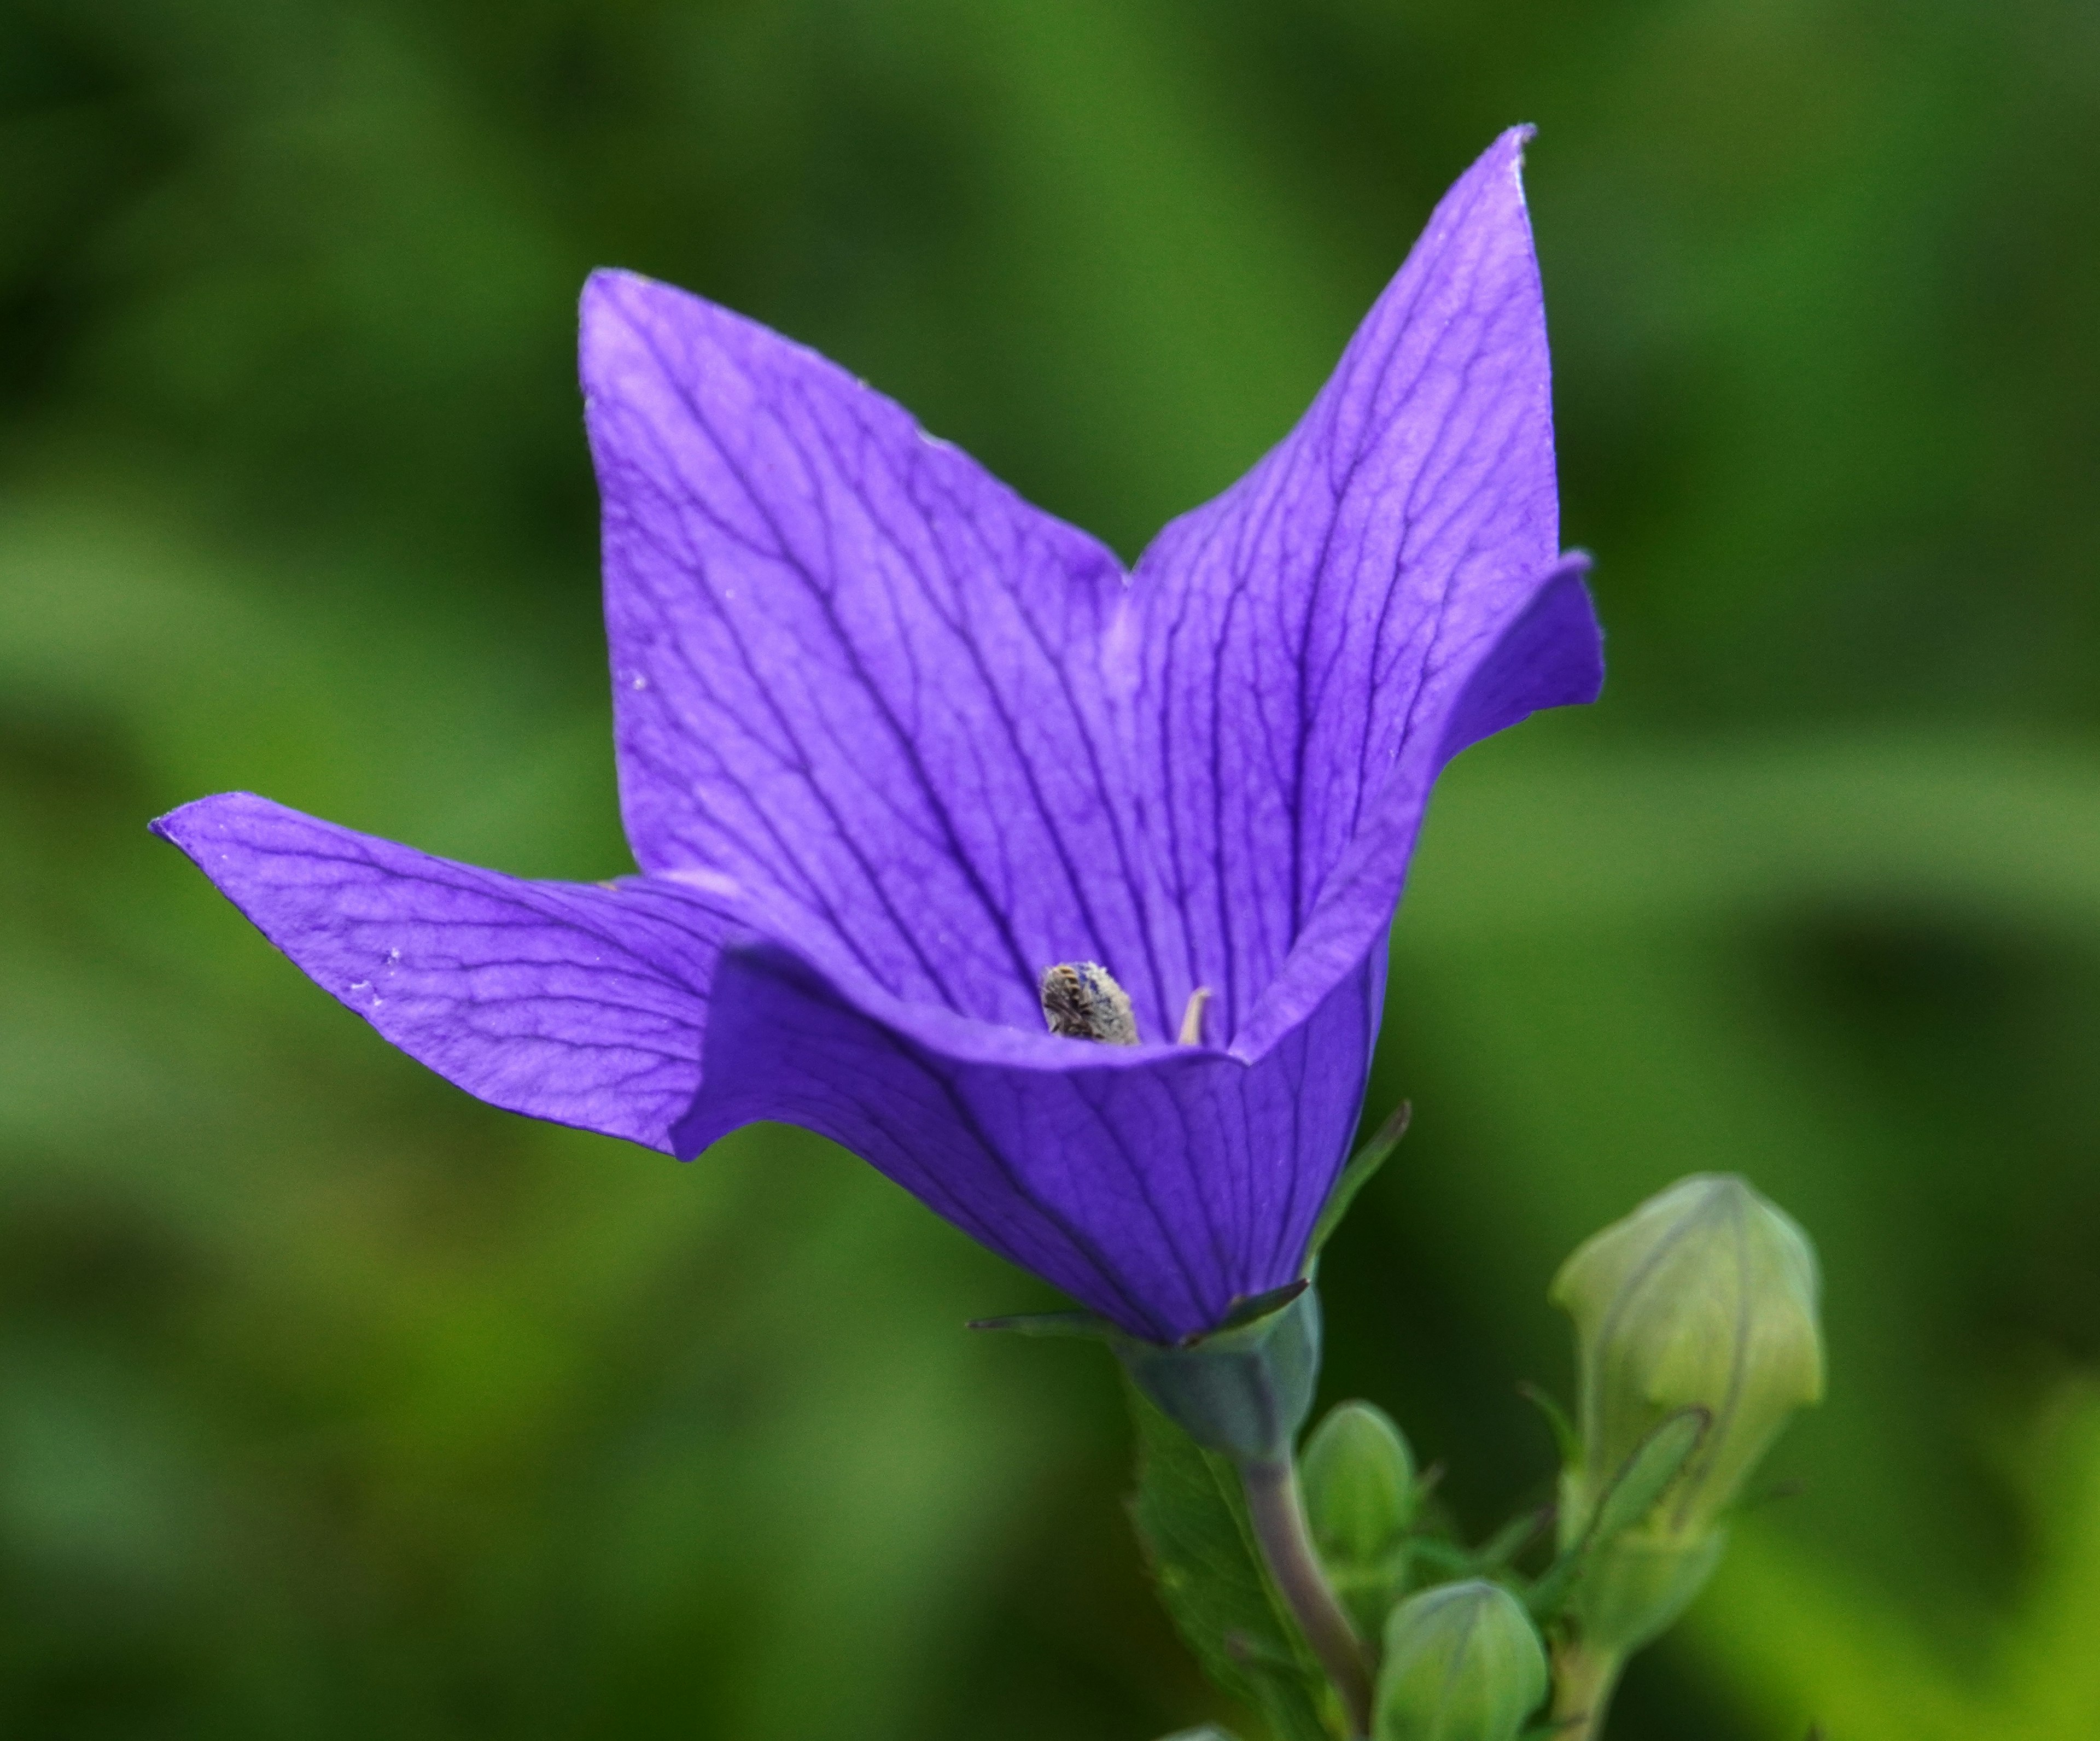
point(1192, 1017)
point(1082, 1001)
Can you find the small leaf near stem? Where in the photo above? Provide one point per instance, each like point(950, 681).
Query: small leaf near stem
point(1278, 1516)
point(1190, 1510)
point(1656, 1462)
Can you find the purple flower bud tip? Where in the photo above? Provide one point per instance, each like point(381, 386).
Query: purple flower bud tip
point(891, 743)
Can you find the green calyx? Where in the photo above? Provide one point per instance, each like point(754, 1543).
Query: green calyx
point(1243, 1389)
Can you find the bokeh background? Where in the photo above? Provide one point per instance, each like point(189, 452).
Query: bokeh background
point(333, 1403)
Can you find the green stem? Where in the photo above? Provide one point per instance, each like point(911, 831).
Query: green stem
point(1287, 1546)
point(1583, 1680)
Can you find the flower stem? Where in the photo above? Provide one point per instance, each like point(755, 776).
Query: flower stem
point(1583, 1680)
point(1287, 1546)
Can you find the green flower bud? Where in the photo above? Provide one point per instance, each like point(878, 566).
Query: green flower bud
point(1359, 1481)
point(1704, 1298)
point(1462, 1662)
point(1699, 1306)
point(1360, 1497)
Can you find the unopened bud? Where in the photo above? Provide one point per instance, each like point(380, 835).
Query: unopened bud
point(1361, 1498)
point(1359, 1479)
point(1704, 1298)
point(1462, 1662)
point(1700, 1311)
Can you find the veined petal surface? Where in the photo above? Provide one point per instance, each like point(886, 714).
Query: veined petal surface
point(852, 670)
point(583, 1003)
point(1156, 1184)
point(1297, 633)
point(891, 743)
point(1549, 653)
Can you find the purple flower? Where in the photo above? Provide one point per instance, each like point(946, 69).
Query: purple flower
point(891, 743)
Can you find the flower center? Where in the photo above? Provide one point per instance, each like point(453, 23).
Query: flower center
point(1082, 1001)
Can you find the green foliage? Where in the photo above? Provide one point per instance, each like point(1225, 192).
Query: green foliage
point(1192, 1520)
point(1657, 1461)
point(1802, 1639)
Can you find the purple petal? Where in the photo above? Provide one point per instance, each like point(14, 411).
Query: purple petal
point(853, 672)
point(1298, 633)
point(583, 1003)
point(1155, 1185)
point(870, 706)
point(1549, 654)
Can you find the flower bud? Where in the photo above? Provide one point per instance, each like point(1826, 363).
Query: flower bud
point(1359, 1479)
point(1699, 1306)
point(1462, 1662)
point(1704, 1298)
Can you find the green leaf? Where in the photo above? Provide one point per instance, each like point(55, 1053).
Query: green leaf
point(1192, 1522)
point(1445, 1560)
point(1357, 1174)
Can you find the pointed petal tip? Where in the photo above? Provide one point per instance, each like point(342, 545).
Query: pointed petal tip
point(617, 311)
point(610, 286)
point(179, 826)
point(633, 329)
point(605, 293)
point(1507, 151)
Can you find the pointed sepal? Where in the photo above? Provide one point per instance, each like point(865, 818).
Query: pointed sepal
point(1065, 1323)
point(1244, 1389)
point(1362, 1164)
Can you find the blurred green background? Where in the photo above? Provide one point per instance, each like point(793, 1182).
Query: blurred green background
point(333, 1403)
